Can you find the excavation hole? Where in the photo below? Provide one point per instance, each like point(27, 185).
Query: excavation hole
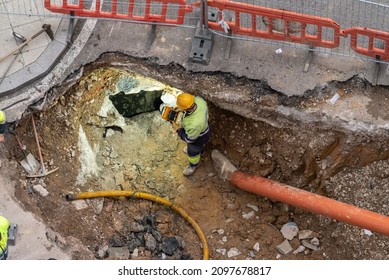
point(106, 132)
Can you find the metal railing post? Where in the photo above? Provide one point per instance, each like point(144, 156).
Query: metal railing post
point(203, 41)
point(205, 10)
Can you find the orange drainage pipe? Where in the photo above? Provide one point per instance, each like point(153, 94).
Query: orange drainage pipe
point(294, 196)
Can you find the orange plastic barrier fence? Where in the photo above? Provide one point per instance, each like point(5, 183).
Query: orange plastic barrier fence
point(280, 25)
point(287, 18)
point(171, 11)
point(374, 38)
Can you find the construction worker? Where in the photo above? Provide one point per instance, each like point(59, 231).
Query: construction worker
point(195, 130)
point(2, 125)
point(4, 226)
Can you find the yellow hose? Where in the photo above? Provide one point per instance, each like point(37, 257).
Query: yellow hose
point(160, 200)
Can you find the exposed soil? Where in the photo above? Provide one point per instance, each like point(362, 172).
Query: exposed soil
point(147, 156)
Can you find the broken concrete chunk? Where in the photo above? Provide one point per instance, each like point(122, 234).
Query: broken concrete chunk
point(252, 206)
point(233, 252)
point(256, 247)
point(221, 251)
point(39, 189)
point(315, 241)
point(80, 204)
point(308, 244)
point(289, 230)
point(300, 249)
point(248, 215)
point(367, 232)
point(220, 231)
point(307, 234)
point(284, 248)
point(224, 239)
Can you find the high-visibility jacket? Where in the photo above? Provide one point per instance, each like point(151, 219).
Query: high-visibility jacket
point(195, 124)
point(2, 122)
point(4, 225)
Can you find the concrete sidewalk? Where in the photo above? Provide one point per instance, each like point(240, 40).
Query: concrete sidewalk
point(34, 60)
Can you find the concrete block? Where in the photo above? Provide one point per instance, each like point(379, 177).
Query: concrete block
point(201, 47)
point(201, 50)
point(12, 233)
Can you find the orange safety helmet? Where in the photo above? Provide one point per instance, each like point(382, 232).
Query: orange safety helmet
point(185, 101)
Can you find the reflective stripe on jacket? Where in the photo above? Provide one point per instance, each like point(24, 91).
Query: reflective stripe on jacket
point(195, 124)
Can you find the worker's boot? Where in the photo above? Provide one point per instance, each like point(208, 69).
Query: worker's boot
point(189, 170)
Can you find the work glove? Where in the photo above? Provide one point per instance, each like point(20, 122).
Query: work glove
point(181, 133)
